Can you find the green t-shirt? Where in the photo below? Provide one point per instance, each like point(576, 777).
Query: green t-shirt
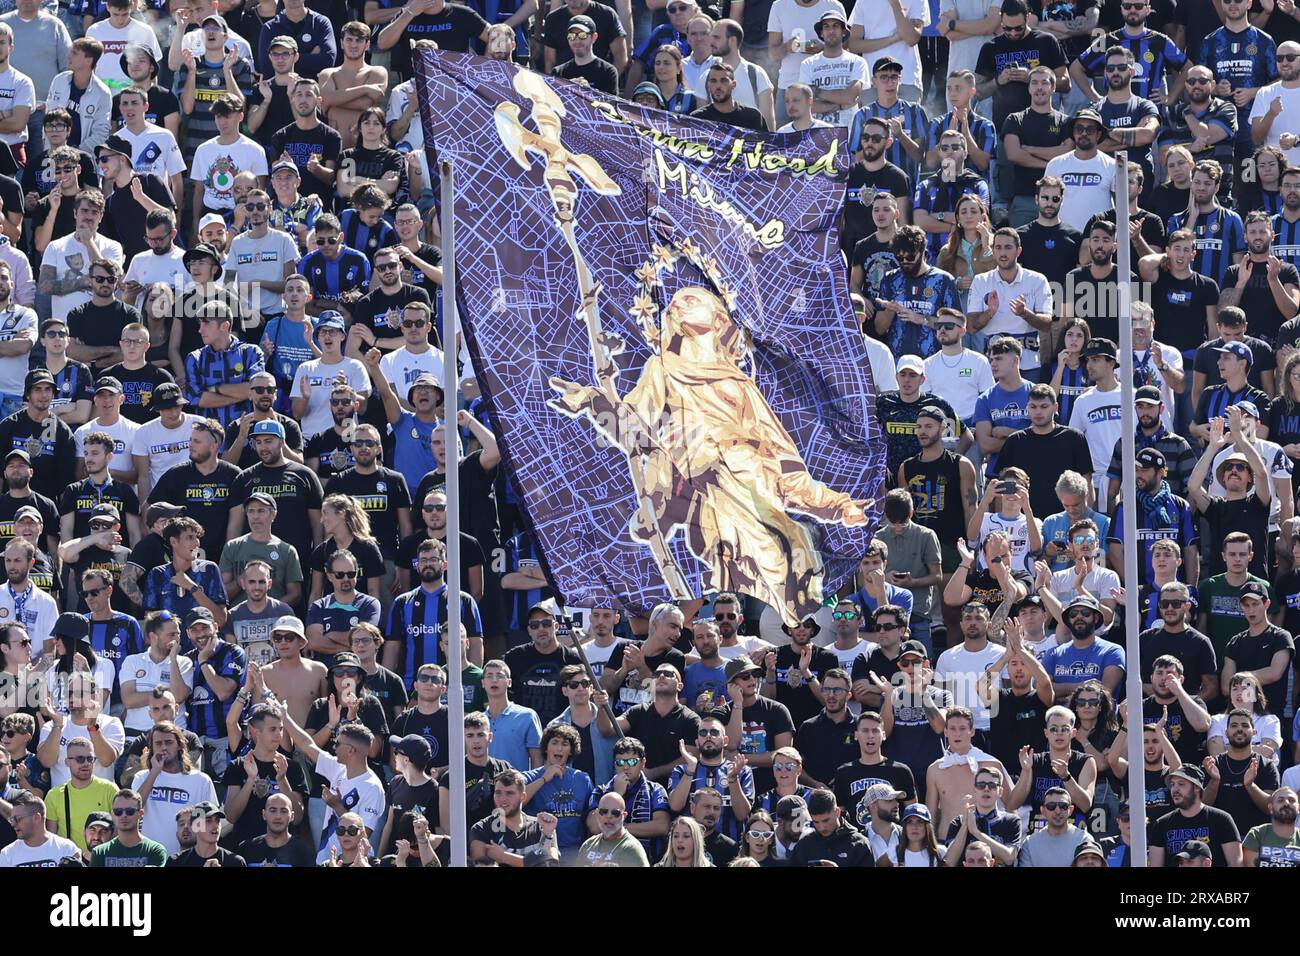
point(97, 795)
point(1272, 849)
point(113, 854)
point(625, 851)
point(1222, 601)
point(285, 562)
point(471, 679)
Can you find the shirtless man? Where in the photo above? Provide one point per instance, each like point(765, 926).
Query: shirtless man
point(951, 779)
point(348, 89)
point(296, 681)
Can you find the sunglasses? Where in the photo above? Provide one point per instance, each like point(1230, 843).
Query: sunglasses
point(387, 267)
point(342, 402)
point(1132, 6)
point(986, 785)
point(102, 279)
point(727, 616)
point(327, 241)
point(343, 575)
point(1019, 29)
point(429, 679)
point(707, 731)
point(1089, 701)
point(413, 323)
point(760, 834)
point(1085, 539)
point(834, 690)
point(948, 326)
point(263, 389)
point(788, 767)
point(609, 812)
point(1056, 806)
point(82, 760)
point(10, 733)
point(1198, 81)
point(434, 508)
point(351, 831)
point(363, 442)
point(66, 169)
point(347, 672)
point(889, 627)
point(125, 811)
point(843, 615)
point(1172, 604)
point(873, 138)
point(283, 638)
point(543, 624)
point(575, 684)
point(1117, 68)
point(57, 333)
point(93, 592)
point(25, 642)
point(1236, 466)
point(626, 761)
point(1287, 57)
point(951, 148)
point(254, 207)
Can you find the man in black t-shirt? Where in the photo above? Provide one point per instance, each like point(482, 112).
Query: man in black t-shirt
point(1192, 820)
point(853, 778)
point(1031, 137)
point(1233, 326)
point(598, 74)
point(1182, 299)
point(664, 725)
point(237, 443)
point(1239, 779)
point(205, 824)
point(137, 377)
point(722, 108)
point(1263, 649)
point(95, 328)
point(509, 833)
point(295, 488)
point(1248, 490)
point(313, 146)
point(450, 25)
point(264, 771)
point(610, 44)
point(795, 671)
point(480, 771)
point(535, 667)
point(202, 485)
point(1005, 61)
point(868, 176)
point(1249, 284)
point(1051, 247)
point(381, 492)
point(756, 726)
point(277, 846)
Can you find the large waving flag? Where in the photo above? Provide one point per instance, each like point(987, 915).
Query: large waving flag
point(658, 318)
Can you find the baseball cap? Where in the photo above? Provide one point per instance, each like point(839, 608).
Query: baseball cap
point(98, 818)
point(104, 512)
point(787, 807)
point(1150, 458)
point(1189, 772)
point(913, 647)
point(1147, 394)
point(214, 219)
point(264, 498)
point(115, 144)
point(167, 395)
point(284, 41)
point(268, 426)
point(27, 511)
point(1032, 600)
point(70, 624)
point(345, 659)
point(414, 748)
point(911, 363)
point(220, 20)
point(581, 23)
point(290, 623)
point(206, 809)
point(1089, 848)
point(18, 453)
point(156, 512)
point(880, 791)
point(1249, 408)
point(37, 376)
point(330, 319)
point(1103, 347)
point(1253, 589)
point(738, 667)
point(650, 88)
point(199, 615)
point(1194, 850)
point(918, 810)
point(935, 412)
point(285, 164)
point(1237, 350)
point(108, 383)
point(886, 63)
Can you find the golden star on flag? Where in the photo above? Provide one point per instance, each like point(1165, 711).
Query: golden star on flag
point(648, 275)
point(664, 258)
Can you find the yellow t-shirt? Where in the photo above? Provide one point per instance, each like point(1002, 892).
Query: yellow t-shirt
point(78, 804)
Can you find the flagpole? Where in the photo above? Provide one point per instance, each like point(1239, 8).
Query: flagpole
point(1128, 485)
point(455, 664)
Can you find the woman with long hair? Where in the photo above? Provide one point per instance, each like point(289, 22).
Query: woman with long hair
point(1069, 372)
point(1282, 420)
point(347, 528)
point(1245, 692)
point(74, 655)
point(352, 839)
point(158, 307)
point(685, 845)
point(373, 160)
point(1095, 728)
point(918, 846)
point(1172, 195)
point(670, 77)
point(758, 840)
point(1265, 192)
point(969, 249)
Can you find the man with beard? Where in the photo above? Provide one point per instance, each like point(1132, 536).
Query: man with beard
point(853, 779)
point(411, 635)
point(380, 320)
point(414, 430)
point(1274, 117)
point(898, 410)
point(1206, 124)
point(1044, 450)
point(871, 175)
point(1086, 656)
point(1262, 285)
point(46, 439)
point(1019, 709)
point(434, 512)
point(313, 146)
point(202, 485)
point(1219, 233)
point(759, 725)
point(848, 625)
point(794, 671)
point(264, 772)
point(425, 718)
point(21, 601)
point(828, 740)
point(1157, 54)
point(19, 497)
point(330, 451)
point(1184, 717)
point(1174, 638)
point(910, 296)
point(1262, 649)
point(169, 779)
point(1092, 290)
point(276, 846)
point(710, 770)
point(129, 847)
point(1146, 237)
point(1087, 173)
point(721, 84)
point(536, 666)
point(985, 821)
point(295, 488)
point(1050, 247)
point(1239, 781)
point(1031, 137)
point(382, 494)
point(600, 640)
point(704, 685)
point(1275, 844)
point(1247, 488)
point(873, 256)
point(942, 485)
point(646, 801)
point(1130, 119)
point(1191, 820)
point(728, 612)
point(934, 203)
point(249, 622)
point(1161, 513)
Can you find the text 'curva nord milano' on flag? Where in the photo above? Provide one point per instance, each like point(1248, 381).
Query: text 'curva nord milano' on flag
point(658, 318)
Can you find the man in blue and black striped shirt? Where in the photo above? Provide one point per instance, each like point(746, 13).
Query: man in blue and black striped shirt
point(908, 122)
point(411, 637)
point(1219, 233)
point(1154, 55)
point(1286, 224)
point(217, 374)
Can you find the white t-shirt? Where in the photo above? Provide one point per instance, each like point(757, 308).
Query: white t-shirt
point(959, 670)
point(49, 853)
point(790, 128)
point(883, 369)
point(1173, 359)
point(787, 16)
point(1099, 415)
point(16, 89)
point(823, 72)
point(69, 256)
point(1089, 186)
point(322, 376)
point(16, 323)
point(963, 54)
point(362, 795)
point(402, 367)
point(1099, 582)
point(56, 683)
point(135, 33)
point(1017, 532)
point(959, 380)
point(877, 21)
point(193, 41)
point(148, 267)
point(1038, 298)
point(110, 728)
point(164, 447)
point(39, 613)
point(257, 261)
point(1288, 121)
point(172, 792)
point(1275, 461)
point(751, 80)
point(122, 433)
point(1267, 728)
point(216, 166)
point(413, 141)
point(148, 674)
point(154, 150)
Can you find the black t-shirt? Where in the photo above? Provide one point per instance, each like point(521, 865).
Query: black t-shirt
point(631, 692)
point(478, 505)
point(138, 386)
point(369, 711)
point(432, 727)
point(478, 787)
point(663, 734)
point(1144, 223)
point(365, 550)
point(422, 799)
point(455, 28)
point(760, 724)
point(1000, 825)
point(295, 853)
point(599, 74)
point(867, 182)
point(1257, 298)
point(381, 495)
point(535, 678)
point(1044, 779)
point(161, 104)
point(1034, 48)
point(1051, 250)
point(555, 31)
point(1158, 801)
point(853, 778)
point(205, 498)
point(791, 688)
point(381, 313)
point(1167, 200)
point(38, 175)
point(331, 451)
point(248, 457)
point(719, 848)
point(518, 841)
point(1044, 458)
point(64, 219)
point(743, 117)
point(9, 506)
point(875, 258)
point(985, 589)
point(1092, 298)
point(1233, 799)
point(1192, 648)
point(1034, 129)
point(81, 499)
point(1187, 740)
point(300, 144)
point(191, 858)
point(149, 553)
point(124, 216)
point(883, 666)
point(825, 745)
point(1017, 722)
point(101, 325)
point(1179, 308)
point(279, 113)
point(471, 555)
point(1211, 826)
point(372, 164)
point(1247, 514)
point(250, 822)
point(296, 490)
point(390, 691)
point(1253, 653)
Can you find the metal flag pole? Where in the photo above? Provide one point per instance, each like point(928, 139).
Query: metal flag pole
point(455, 664)
point(1128, 486)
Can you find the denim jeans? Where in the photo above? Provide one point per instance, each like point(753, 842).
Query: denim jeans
point(10, 403)
point(919, 628)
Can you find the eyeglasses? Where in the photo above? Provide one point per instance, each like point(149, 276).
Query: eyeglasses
point(626, 761)
point(134, 341)
point(609, 812)
point(83, 760)
point(1171, 604)
point(327, 240)
point(429, 679)
point(125, 811)
point(351, 831)
point(986, 785)
point(707, 731)
point(788, 767)
point(343, 575)
point(760, 834)
point(544, 624)
point(413, 323)
point(843, 615)
point(94, 592)
point(1056, 806)
point(575, 684)
point(254, 207)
